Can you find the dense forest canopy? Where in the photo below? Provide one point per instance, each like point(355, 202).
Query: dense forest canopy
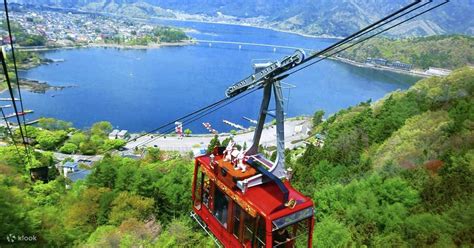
point(398, 172)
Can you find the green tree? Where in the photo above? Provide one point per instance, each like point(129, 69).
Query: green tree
point(88, 148)
point(69, 148)
point(153, 155)
point(188, 132)
point(53, 124)
point(102, 128)
point(318, 117)
point(114, 144)
point(174, 188)
point(81, 211)
point(14, 215)
point(213, 143)
point(104, 173)
point(178, 234)
point(50, 140)
point(427, 230)
point(330, 233)
point(77, 138)
point(127, 206)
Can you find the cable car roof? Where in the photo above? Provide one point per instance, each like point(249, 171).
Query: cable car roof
point(267, 199)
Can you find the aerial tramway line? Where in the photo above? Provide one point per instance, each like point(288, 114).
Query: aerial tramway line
point(239, 197)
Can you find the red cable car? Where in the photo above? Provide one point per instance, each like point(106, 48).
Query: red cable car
point(245, 200)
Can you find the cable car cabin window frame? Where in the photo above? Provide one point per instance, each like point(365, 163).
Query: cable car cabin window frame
point(237, 218)
point(202, 188)
point(249, 228)
point(225, 210)
point(260, 239)
point(295, 231)
point(198, 187)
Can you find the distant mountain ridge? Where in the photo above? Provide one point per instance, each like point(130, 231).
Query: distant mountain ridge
point(323, 17)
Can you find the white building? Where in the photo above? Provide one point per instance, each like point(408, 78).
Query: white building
point(123, 134)
point(113, 134)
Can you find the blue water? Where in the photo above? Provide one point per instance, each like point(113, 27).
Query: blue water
point(139, 90)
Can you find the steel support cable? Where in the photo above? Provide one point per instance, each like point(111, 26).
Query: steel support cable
point(195, 118)
point(385, 20)
point(362, 31)
point(17, 78)
point(181, 118)
point(367, 38)
point(10, 90)
point(11, 132)
point(15, 67)
point(349, 39)
point(204, 113)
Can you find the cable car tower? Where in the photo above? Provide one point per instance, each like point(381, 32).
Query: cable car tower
point(242, 198)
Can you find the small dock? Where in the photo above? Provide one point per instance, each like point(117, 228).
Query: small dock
point(234, 125)
point(250, 120)
point(209, 128)
point(8, 99)
point(29, 123)
point(19, 114)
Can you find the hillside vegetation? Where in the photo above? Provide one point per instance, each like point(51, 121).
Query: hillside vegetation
point(397, 173)
point(445, 51)
point(124, 203)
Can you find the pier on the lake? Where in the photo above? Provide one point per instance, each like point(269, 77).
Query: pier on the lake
point(234, 125)
point(8, 99)
point(18, 114)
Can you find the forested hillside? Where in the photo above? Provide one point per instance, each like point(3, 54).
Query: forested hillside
point(123, 202)
point(395, 173)
point(445, 51)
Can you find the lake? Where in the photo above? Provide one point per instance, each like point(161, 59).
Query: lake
point(139, 90)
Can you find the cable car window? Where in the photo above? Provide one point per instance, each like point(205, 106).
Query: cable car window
point(260, 237)
point(236, 219)
point(221, 206)
point(206, 189)
point(249, 227)
point(295, 235)
point(198, 188)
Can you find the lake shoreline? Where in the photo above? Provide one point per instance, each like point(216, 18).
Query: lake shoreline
point(143, 47)
point(37, 86)
point(135, 89)
point(105, 45)
point(381, 68)
point(253, 26)
point(192, 42)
